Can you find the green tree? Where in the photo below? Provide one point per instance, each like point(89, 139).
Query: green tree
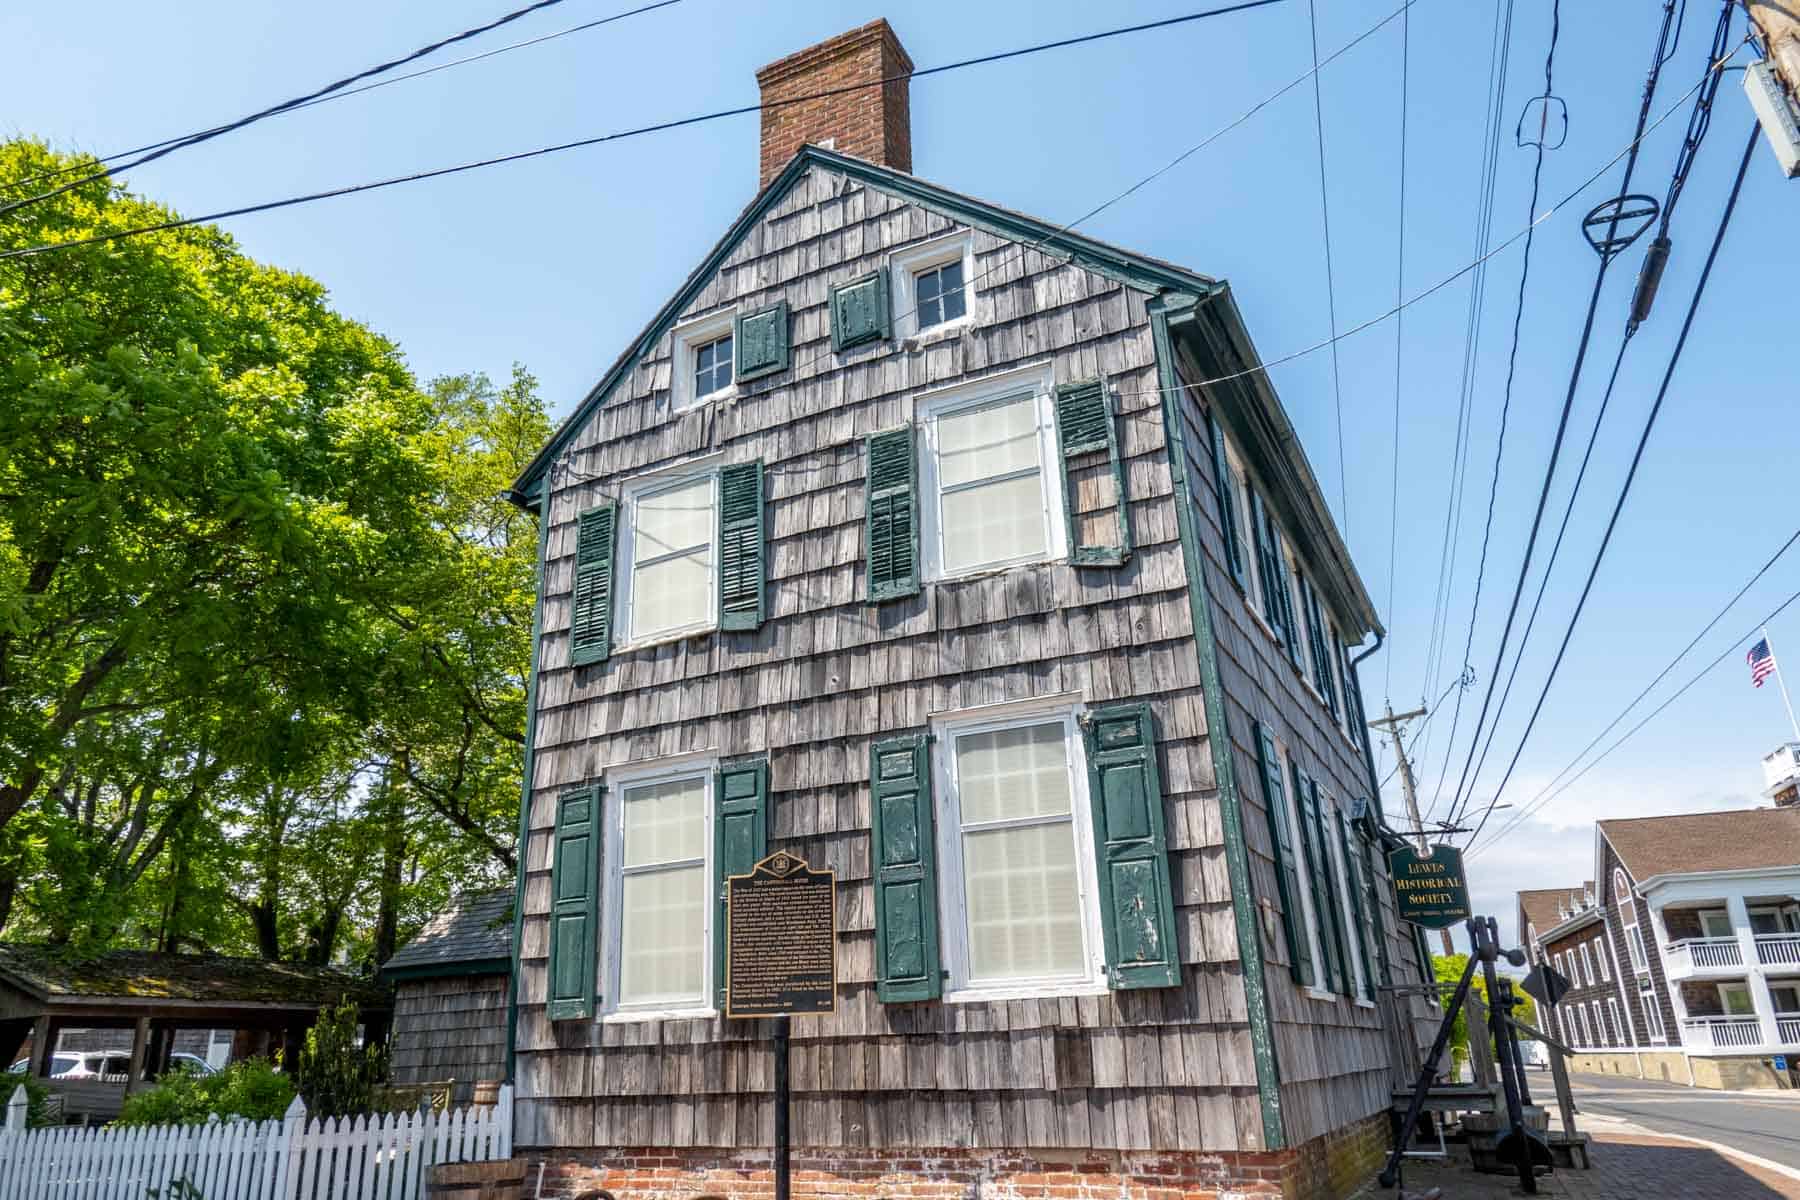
point(1449, 969)
point(338, 1075)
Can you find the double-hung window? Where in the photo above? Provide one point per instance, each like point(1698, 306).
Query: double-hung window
point(1014, 837)
point(667, 555)
point(992, 496)
point(1618, 1026)
point(1647, 1004)
point(1600, 953)
point(658, 914)
point(1587, 964)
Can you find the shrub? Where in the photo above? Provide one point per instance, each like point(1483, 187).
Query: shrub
point(252, 1089)
point(338, 1078)
point(36, 1096)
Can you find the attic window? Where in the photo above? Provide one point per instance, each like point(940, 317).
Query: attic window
point(934, 285)
point(703, 360)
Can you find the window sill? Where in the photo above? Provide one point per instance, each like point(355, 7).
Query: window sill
point(663, 639)
point(1313, 993)
point(1026, 991)
point(999, 568)
point(944, 331)
point(1361, 1003)
point(635, 1016)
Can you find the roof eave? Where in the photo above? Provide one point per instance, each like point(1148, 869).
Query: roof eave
point(1135, 270)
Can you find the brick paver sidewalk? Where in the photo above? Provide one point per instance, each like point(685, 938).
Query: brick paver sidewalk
point(1626, 1167)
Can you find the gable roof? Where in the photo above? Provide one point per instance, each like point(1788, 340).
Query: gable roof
point(1734, 840)
point(1137, 270)
point(135, 977)
point(1539, 906)
point(474, 931)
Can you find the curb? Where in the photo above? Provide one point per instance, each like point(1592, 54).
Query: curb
point(1595, 1123)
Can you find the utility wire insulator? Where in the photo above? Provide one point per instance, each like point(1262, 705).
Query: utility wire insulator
point(1648, 280)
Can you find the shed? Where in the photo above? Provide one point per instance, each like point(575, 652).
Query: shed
point(44, 990)
point(450, 994)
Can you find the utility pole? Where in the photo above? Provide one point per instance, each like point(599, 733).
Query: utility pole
point(1390, 724)
point(1773, 85)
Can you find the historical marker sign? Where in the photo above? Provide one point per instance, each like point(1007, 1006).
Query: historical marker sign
point(1431, 890)
point(781, 940)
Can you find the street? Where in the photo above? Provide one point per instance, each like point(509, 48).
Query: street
point(1766, 1124)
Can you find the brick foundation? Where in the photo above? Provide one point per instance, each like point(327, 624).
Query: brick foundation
point(1326, 1168)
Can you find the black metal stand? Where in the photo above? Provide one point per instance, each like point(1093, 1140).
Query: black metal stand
point(781, 1108)
point(1390, 1175)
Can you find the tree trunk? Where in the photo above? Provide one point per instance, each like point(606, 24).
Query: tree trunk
point(393, 860)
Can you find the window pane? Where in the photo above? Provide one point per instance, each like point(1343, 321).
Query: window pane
point(950, 285)
point(678, 518)
point(993, 522)
point(928, 286)
point(665, 822)
point(1012, 773)
point(1737, 999)
point(979, 443)
point(1024, 909)
point(662, 934)
point(672, 593)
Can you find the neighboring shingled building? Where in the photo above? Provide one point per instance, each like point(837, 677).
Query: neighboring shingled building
point(450, 994)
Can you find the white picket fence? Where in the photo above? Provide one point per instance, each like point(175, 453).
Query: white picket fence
point(296, 1158)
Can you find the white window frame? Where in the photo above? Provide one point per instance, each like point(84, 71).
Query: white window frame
point(1618, 1023)
point(1587, 965)
point(689, 338)
point(1600, 953)
point(1311, 917)
point(1725, 1005)
point(625, 559)
point(1786, 985)
point(954, 931)
point(1040, 380)
point(1352, 951)
point(1653, 1022)
point(905, 264)
point(1721, 913)
point(619, 780)
point(1634, 946)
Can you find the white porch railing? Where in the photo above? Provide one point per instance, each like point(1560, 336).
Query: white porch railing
point(1787, 1030)
point(358, 1158)
point(1778, 949)
point(1704, 954)
point(1705, 1033)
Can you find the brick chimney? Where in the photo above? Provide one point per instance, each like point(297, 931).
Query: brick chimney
point(872, 122)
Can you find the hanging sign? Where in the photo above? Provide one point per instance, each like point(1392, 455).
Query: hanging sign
point(1431, 890)
point(781, 940)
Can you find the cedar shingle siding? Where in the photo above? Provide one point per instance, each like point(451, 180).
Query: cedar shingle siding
point(828, 672)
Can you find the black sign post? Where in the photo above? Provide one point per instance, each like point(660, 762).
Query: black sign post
point(781, 960)
point(1430, 889)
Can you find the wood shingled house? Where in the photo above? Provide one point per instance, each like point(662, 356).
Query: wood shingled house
point(921, 539)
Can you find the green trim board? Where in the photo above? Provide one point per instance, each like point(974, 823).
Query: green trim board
point(1166, 311)
point(523, 843)
point(1136, 270)
point(450, 970)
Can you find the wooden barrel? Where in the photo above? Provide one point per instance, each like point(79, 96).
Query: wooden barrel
point(503, 1180)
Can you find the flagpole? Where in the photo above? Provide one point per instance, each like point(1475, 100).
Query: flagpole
point(1782, 684)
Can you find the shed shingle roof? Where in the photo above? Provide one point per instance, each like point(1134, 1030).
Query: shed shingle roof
point(1735, 840)
point(476, 927)
point(137, 975)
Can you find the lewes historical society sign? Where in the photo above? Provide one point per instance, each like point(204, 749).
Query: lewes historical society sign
point(1430, 890)
point(781, 940)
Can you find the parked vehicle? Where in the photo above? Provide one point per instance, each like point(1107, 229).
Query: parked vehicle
point(60, 1064)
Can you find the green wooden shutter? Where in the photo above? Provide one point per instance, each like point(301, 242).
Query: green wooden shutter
point(741, 546)
point(1333, 913)
point(1353, 706)
point(1353, 883)
point(905, 870)
point(892, 505)
point(1329, 649)
point(740, 841)
point(1290, 624)
point(760, 341)
point(590, 634)
point(1137, 905)
point(1318, 875)
point(1374, 875)
point(574, 904)
point(1084, 430)
point(1228, 513)
point(859, 311)
point(1422, 948)
point(1287, 865)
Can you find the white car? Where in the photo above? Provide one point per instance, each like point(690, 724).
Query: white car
point(111, 1064)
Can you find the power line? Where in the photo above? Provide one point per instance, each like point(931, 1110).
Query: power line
point(367, 87)
point(1637, 458)
point(1459, 798)
point(1399, 341)
point(171, 145)
point(1337, 391)
point(678, 123)
point(1539, 800)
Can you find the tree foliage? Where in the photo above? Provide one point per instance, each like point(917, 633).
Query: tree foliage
point(1449, 970)
point(253, 1089)
point(338, 1074)
point(264, 620)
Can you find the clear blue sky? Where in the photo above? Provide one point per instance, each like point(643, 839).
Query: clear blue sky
point(556, 263)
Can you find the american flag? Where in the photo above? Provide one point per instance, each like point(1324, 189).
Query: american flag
point(1762, 662)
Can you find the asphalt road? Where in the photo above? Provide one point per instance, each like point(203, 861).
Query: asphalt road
point(1766, 1124)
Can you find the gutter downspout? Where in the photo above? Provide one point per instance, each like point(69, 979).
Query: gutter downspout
point(1181, 306)
point(1363, 732)
point(541, 507)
